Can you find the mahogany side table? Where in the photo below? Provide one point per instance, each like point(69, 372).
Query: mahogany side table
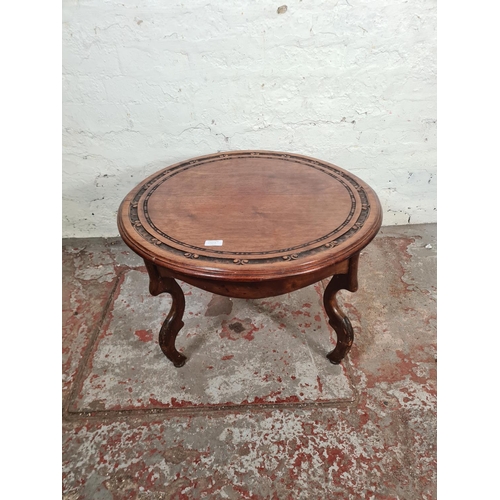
point(250, 224)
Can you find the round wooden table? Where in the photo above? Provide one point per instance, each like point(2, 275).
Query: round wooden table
point(250, 224)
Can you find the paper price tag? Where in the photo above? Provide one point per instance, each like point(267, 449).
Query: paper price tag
point(213, 243)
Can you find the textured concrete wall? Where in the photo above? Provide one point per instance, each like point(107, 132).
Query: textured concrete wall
point(147, 83)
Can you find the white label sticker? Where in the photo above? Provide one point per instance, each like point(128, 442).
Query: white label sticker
point(213, 243)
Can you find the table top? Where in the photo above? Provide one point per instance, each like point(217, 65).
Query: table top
point(249, 215)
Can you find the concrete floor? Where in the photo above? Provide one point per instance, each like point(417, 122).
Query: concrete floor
point(257, 412)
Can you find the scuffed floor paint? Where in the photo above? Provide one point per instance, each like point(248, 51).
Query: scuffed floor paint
point(271, 454)
point(364, 430)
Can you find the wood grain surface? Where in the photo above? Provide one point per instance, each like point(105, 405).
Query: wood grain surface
point(277, 215)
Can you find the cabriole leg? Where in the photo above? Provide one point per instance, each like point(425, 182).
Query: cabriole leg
point(173, 323)
point(337, 319)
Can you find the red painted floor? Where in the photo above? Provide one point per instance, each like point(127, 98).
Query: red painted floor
point(257, 412)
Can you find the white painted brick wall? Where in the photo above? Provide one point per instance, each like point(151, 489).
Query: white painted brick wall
point(148, 83)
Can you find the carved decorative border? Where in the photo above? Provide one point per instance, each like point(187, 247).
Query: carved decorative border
point(291, 253)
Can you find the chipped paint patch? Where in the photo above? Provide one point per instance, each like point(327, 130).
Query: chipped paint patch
point(237, 329)
point(144, 335)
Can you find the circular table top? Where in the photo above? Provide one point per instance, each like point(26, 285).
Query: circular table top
point(249, 215)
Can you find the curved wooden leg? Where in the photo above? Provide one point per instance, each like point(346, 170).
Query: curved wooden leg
point(337, 319)
point(339, 322)
point(173, 323)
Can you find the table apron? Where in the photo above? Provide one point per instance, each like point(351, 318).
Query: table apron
point(268, 288)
